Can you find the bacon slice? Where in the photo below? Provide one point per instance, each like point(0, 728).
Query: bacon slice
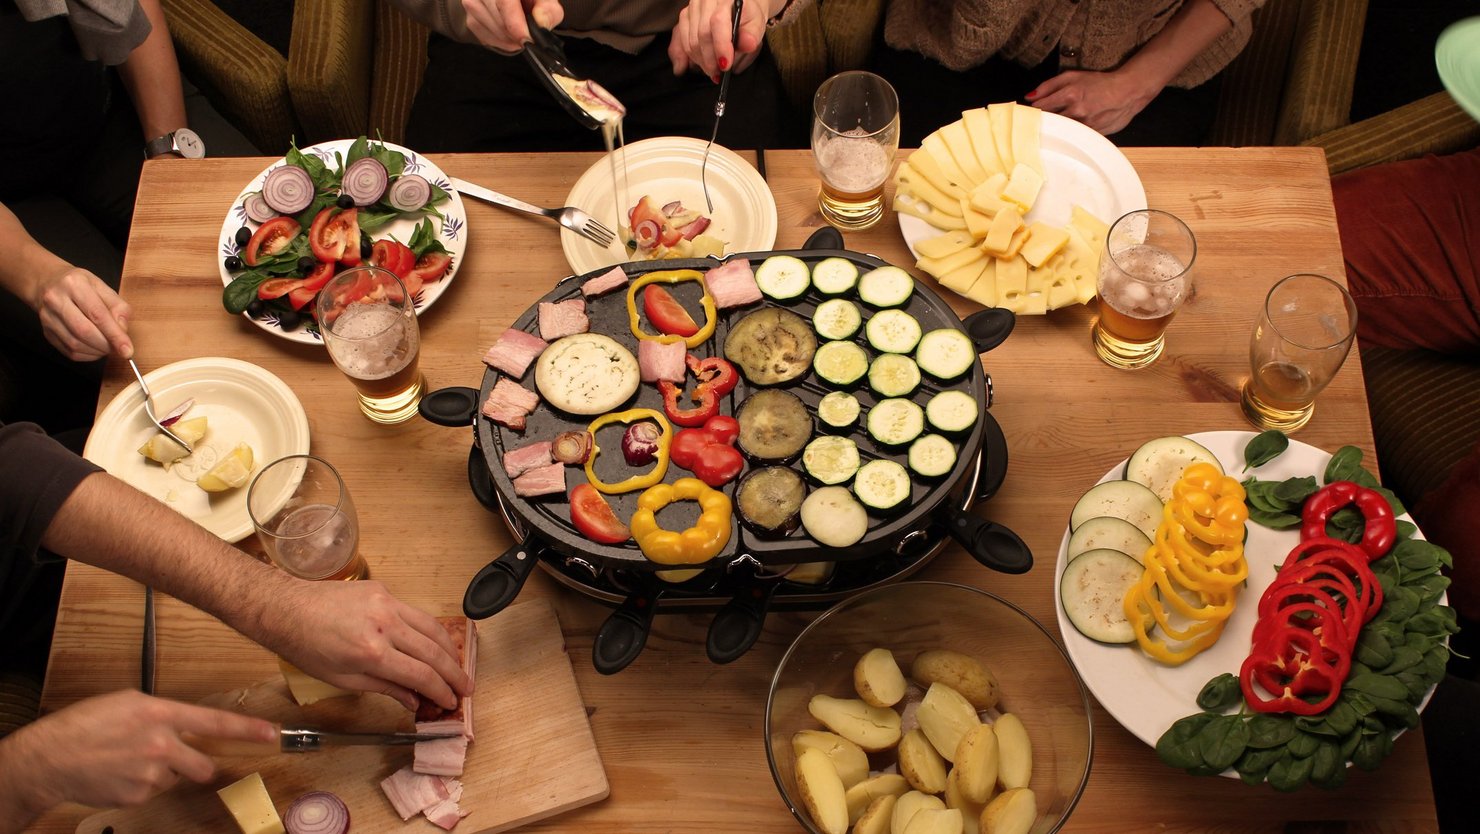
point(657, 360)
point(443, 757)
point(521, 460)
point(411, 792)
point(514, 351)
point(563, 318)
point(464, 635)
point(509, 403)
point(733, 284)
point(445, 814)
point(605, 282)
point(544, 480)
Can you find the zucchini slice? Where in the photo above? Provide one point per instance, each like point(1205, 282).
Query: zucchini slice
point(1159, 463)
point(932, 456)
point(892, 331)
point(1126, 500)
point(840, 363)
point(838, 410)
point(952, 411)
point(882, 484)
point(831, 459)
point(834, 276)
point(887, 286)
point(1109, 533)
point(946, 353)
point(895, 422)
point(893, 374)
point(1092, 589)
point(837, 318)
point(783, 277)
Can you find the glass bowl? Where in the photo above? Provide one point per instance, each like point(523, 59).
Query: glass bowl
point(1034, 676)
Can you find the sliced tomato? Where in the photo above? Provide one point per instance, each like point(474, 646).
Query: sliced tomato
point(270, 238)
point(394, 256)
point(318, 276)
point(594, 517)
point(358, 289)
point(666, 314)
point(431, 267)
point(301, 296)
point(650, 226)
point(412, 283)
point(335, 235)
point(277, 287)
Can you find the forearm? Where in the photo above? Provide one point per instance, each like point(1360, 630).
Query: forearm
point(1190, 31)
point(152, 76)
point(21, 272)
point(21, 800)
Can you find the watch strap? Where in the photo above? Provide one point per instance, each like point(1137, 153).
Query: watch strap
point(159, 145)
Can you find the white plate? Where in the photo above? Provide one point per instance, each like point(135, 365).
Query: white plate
point(1080, 167)
point(666, 168)
point(1145, 696)
point(242, 404)
point(452, 229)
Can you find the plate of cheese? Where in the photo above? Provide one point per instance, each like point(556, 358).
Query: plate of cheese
point(1009, 206)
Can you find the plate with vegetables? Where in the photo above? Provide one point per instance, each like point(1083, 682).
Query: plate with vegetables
point(1279, 657)
point(329, 207)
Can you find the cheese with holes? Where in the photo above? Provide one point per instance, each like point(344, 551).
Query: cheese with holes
point(919, 186)
point(999, 236)
point(947, 244)
point(907, 203)
point(1044, 242)
point(251, 806)
point(926, 166)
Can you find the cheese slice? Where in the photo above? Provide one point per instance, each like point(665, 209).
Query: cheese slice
point(977, 223)
point(999, 236)
point(987, 196)
point(920, 187)
point(942, 245)
point(960, 279)
point(1023, 186)
point(1012, 283)
point(950, 263)
point(1033, 304)
point(1015, 245)
point(907, 203)
point(251, 806)
point(308, 690)
point(1044, 241)
point(1081, 252)
point(979, 129)
point(926, 166)
point(984, 289)
point(1061, 293)
point(1091, 227)
point(1000, 115)
point(1026, 128)
point(935, 145)
point(959, 145)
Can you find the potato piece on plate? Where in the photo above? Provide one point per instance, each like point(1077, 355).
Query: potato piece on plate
point(921, 765)
point(976, 764)
point(849, 759)
point(872, 728)
point(911, 804)
point(1012, 812)
point(877, 817)
point(961, 672)
point(863, 794)
point(822, 791)
point(945, 717)
point(877, 678)
point(971, 812)
point(1014, 752)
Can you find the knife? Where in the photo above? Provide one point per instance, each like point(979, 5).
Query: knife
point(306, 740)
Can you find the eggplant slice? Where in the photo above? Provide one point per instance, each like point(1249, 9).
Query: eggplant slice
point(770, 500)
point(771, 346)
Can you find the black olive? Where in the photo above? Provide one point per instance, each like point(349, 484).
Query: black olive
point(256, 308)
point(233, 264)
point(365, 247)
point(345, 201)
point(243, 235)
point(289, 319)
point(305, 264)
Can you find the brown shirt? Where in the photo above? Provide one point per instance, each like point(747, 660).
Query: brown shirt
point(37, 475)
point(1087, 34)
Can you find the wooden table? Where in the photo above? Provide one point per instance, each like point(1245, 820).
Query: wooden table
point(682, 738)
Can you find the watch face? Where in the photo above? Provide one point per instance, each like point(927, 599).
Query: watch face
point(188, 144)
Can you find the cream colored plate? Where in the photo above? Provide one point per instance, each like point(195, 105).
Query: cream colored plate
point(242, 403)
point(667, 169)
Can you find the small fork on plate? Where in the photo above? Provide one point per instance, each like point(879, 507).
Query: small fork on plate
point(570, 217)
point(149, 408)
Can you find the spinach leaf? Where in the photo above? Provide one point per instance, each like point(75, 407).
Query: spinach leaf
point(1374, 649)
point(1316, 725)
point(1404, 658)
point(1376, 687)
point(1258, 761)
point(1274, 520)
point(424, 240)
point(1222, 741)
point(1177, 747)
point(1265, 447)
point(1303, 745)
point(1392, 499)
point(242, 291)
point(1220, 693)
point(1325, 762)
point(1289, 773)
point(1406, 529)
point(1344, 464)
point(357, 151)
point(1269, 731)
point(373, 218)
point(1294, 491)
point(1342, 718)
point(394, 161)
point(1371, 750)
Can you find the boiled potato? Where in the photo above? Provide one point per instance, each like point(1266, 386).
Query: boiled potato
point(1014, 752)
point(960, 672)
point(877, 817)
point(971, 812)
point(849, 759)
point(1012, 812)
point(822, 791)
point(910, 804)
point(872, 728)
point(863, 794)
point(161, 449)
point(936, 821)
point(922, 767)
point(877, 678)
point(946, 716)
point(976, 763)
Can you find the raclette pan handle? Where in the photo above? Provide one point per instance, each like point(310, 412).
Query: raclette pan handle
point(625, 632)
point(738, 624)
point(496, 586)
point(990, 327)
point(452, 407)
point(827, 237)
point(988, 542)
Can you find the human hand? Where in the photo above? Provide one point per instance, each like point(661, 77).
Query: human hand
point(358, 636)
point(499, 24)
point(81, 316)
point(702, 39)
point(1105, 101)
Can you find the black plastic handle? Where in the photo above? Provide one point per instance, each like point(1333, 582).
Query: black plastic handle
point(827, 237)
point(625, 632)
point(494, 587)
point(990, 327)
point(452, 407)
point(738, 624)
point(481, 480)
point(994, 459)
point(988, 542)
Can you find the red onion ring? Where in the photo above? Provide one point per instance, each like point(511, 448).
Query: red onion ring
point(365, 180)
point(646, 234)
point(257, 209)
point(177, 412)
point(409, 192)
point(317, 812)
point(288, 189)
point(673, 208)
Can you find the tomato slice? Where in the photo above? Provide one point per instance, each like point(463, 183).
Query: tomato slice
point(666, 314)
point(270, 238)
point(301, 296)
point(687, 445)
point(335, 235)
point(277, 287)
point(394, 256)
point(594, 517)
point(361, 287)
point(318, 276)
point(431, 267)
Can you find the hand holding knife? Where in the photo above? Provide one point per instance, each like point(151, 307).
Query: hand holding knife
point(305, 740)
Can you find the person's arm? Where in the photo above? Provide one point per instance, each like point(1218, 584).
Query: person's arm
point(152, 77)
point(80, 314)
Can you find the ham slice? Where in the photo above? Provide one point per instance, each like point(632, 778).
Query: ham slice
point(521, 460)
point(563, 318)
point(605, 282)
point(514, 351)
point(656, 360)
point(733, 284)
point(464, 635)
point(509, 403)
point(543, 480)
point(411, 792)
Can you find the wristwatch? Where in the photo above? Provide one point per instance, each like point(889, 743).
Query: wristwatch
point(183, 141)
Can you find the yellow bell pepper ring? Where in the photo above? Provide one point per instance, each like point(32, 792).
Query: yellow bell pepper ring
point(672, 276)
point(699, 543)
point(660, 465)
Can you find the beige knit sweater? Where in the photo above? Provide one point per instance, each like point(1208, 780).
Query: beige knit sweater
point(1087, 34)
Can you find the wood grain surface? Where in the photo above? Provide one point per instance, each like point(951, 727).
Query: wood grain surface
point(681, 738)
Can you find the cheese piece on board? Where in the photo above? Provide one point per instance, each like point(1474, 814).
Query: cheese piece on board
point(1000, 115)
point(977, 224)
point(987, 196)
point(919, 186)
point(935, 145)
point(1023, 186)
point(961, 278)
point(1091, 227)
point(251, 806)
point(1044, 242)
point(1015, 245)
point(1027, 125)
point(999, 236)
point(959, 145)
point(305, 689)
point(1012, 283)
point(926, 166)
point(950, 263)
point(984, 289)
point(908, 203)
point(979, 130)
point(942, 245)
point(1062, 292)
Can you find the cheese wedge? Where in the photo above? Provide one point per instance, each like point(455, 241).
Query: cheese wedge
point(936, 147)
point(1012, 283)
point(305, 689)
point(942, 245)
point(984, 289)
point(1000, 115)
point(1023, 186)
point(920, 187)
point(1026, 129)
point(950, 263)
point(999, 236)
point(1044, 242)
point(251, 806)
point(979, 129)
point(907, 203)
point(960, 279)
point(926, 166)
point(959, 145)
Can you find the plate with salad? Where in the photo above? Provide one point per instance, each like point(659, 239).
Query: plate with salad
point(330, 207)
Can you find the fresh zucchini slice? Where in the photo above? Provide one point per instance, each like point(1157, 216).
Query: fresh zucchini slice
point(1159, 463)
point(838, 410)
point(895, 422)
point(952, 411)
point(1092, 590)
point(831, 459)
point(834, 276)
point(946, 353)
point(1109, 533)
point(783, 277)
point(837, 318)
point(892, 374)
point(887, 286)
point(840, 363)
point(882, 484)
point(892, 331)
point(932, 456)
point(1118, 499)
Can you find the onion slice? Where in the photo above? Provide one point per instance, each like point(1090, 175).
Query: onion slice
point(365, 180)
point(176, 413)
point(288, 189)
point(409, 192)
point(571, 447)
point(640, 443)
point(257, 209)
point(317, 812)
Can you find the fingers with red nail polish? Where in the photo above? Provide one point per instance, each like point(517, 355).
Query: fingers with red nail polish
point(724, 63)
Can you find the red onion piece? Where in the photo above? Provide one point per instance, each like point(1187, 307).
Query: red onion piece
point(257, 208)
point(694, 229)
point(409, 192)
point(365, 180)
point(288, 189)
point(571, 447)
point(673, 208)
point(640, 443)
point(317, 812)
point(600, 94)
point(646, 234)
point(176, 413)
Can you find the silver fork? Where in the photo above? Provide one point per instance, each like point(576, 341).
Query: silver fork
point(149, 409)
point(570, 217)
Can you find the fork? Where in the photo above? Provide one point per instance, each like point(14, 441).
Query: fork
point(570, 217)
point(149, 408)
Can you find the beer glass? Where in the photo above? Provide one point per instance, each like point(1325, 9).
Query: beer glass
point(1145, 275)
point(306, 520)
point(1301, 340)
point(855, 132)
point(368, 322)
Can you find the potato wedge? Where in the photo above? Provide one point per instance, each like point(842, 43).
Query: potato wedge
point(977, 763)
point(945, 716)
point(877, 678)
point(822, 791)
point(863, 794)
point(935, 821)
point(869, 727)
point(910, 804)
point(877, 817)
point(849, 759)
point(971, 812)
point(1012, 812)
point(963, 673)
point(1014, 752)
point(920, 764)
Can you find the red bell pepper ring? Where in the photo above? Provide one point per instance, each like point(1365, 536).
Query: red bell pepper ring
point(709, 452)
point(1326, 577)
point(1349, 558)
point(715, 372)
point(1278, 597)
point(1292, 659)
point(716, 378)
point(1381, 529)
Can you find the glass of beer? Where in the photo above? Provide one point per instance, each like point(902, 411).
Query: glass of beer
point(1145, 275)
point(306, 520)
point(1304, 333)
point(855, 132)
point(368, 322)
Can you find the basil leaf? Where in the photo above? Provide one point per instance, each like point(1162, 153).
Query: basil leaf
point(242, 291)
point(1269, 731)
point(1222, 741)
point(1176, 747)
point(1220, 693)
point(1265, 447)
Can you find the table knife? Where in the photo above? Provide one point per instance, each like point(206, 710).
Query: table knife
point(306, 740)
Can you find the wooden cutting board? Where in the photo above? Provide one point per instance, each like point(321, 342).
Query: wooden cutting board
point(533, 755)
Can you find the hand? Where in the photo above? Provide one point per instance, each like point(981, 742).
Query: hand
point(702, 39)
point(358, 636)
point(1105, 101)
point(499, 24)
point(81, 316)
